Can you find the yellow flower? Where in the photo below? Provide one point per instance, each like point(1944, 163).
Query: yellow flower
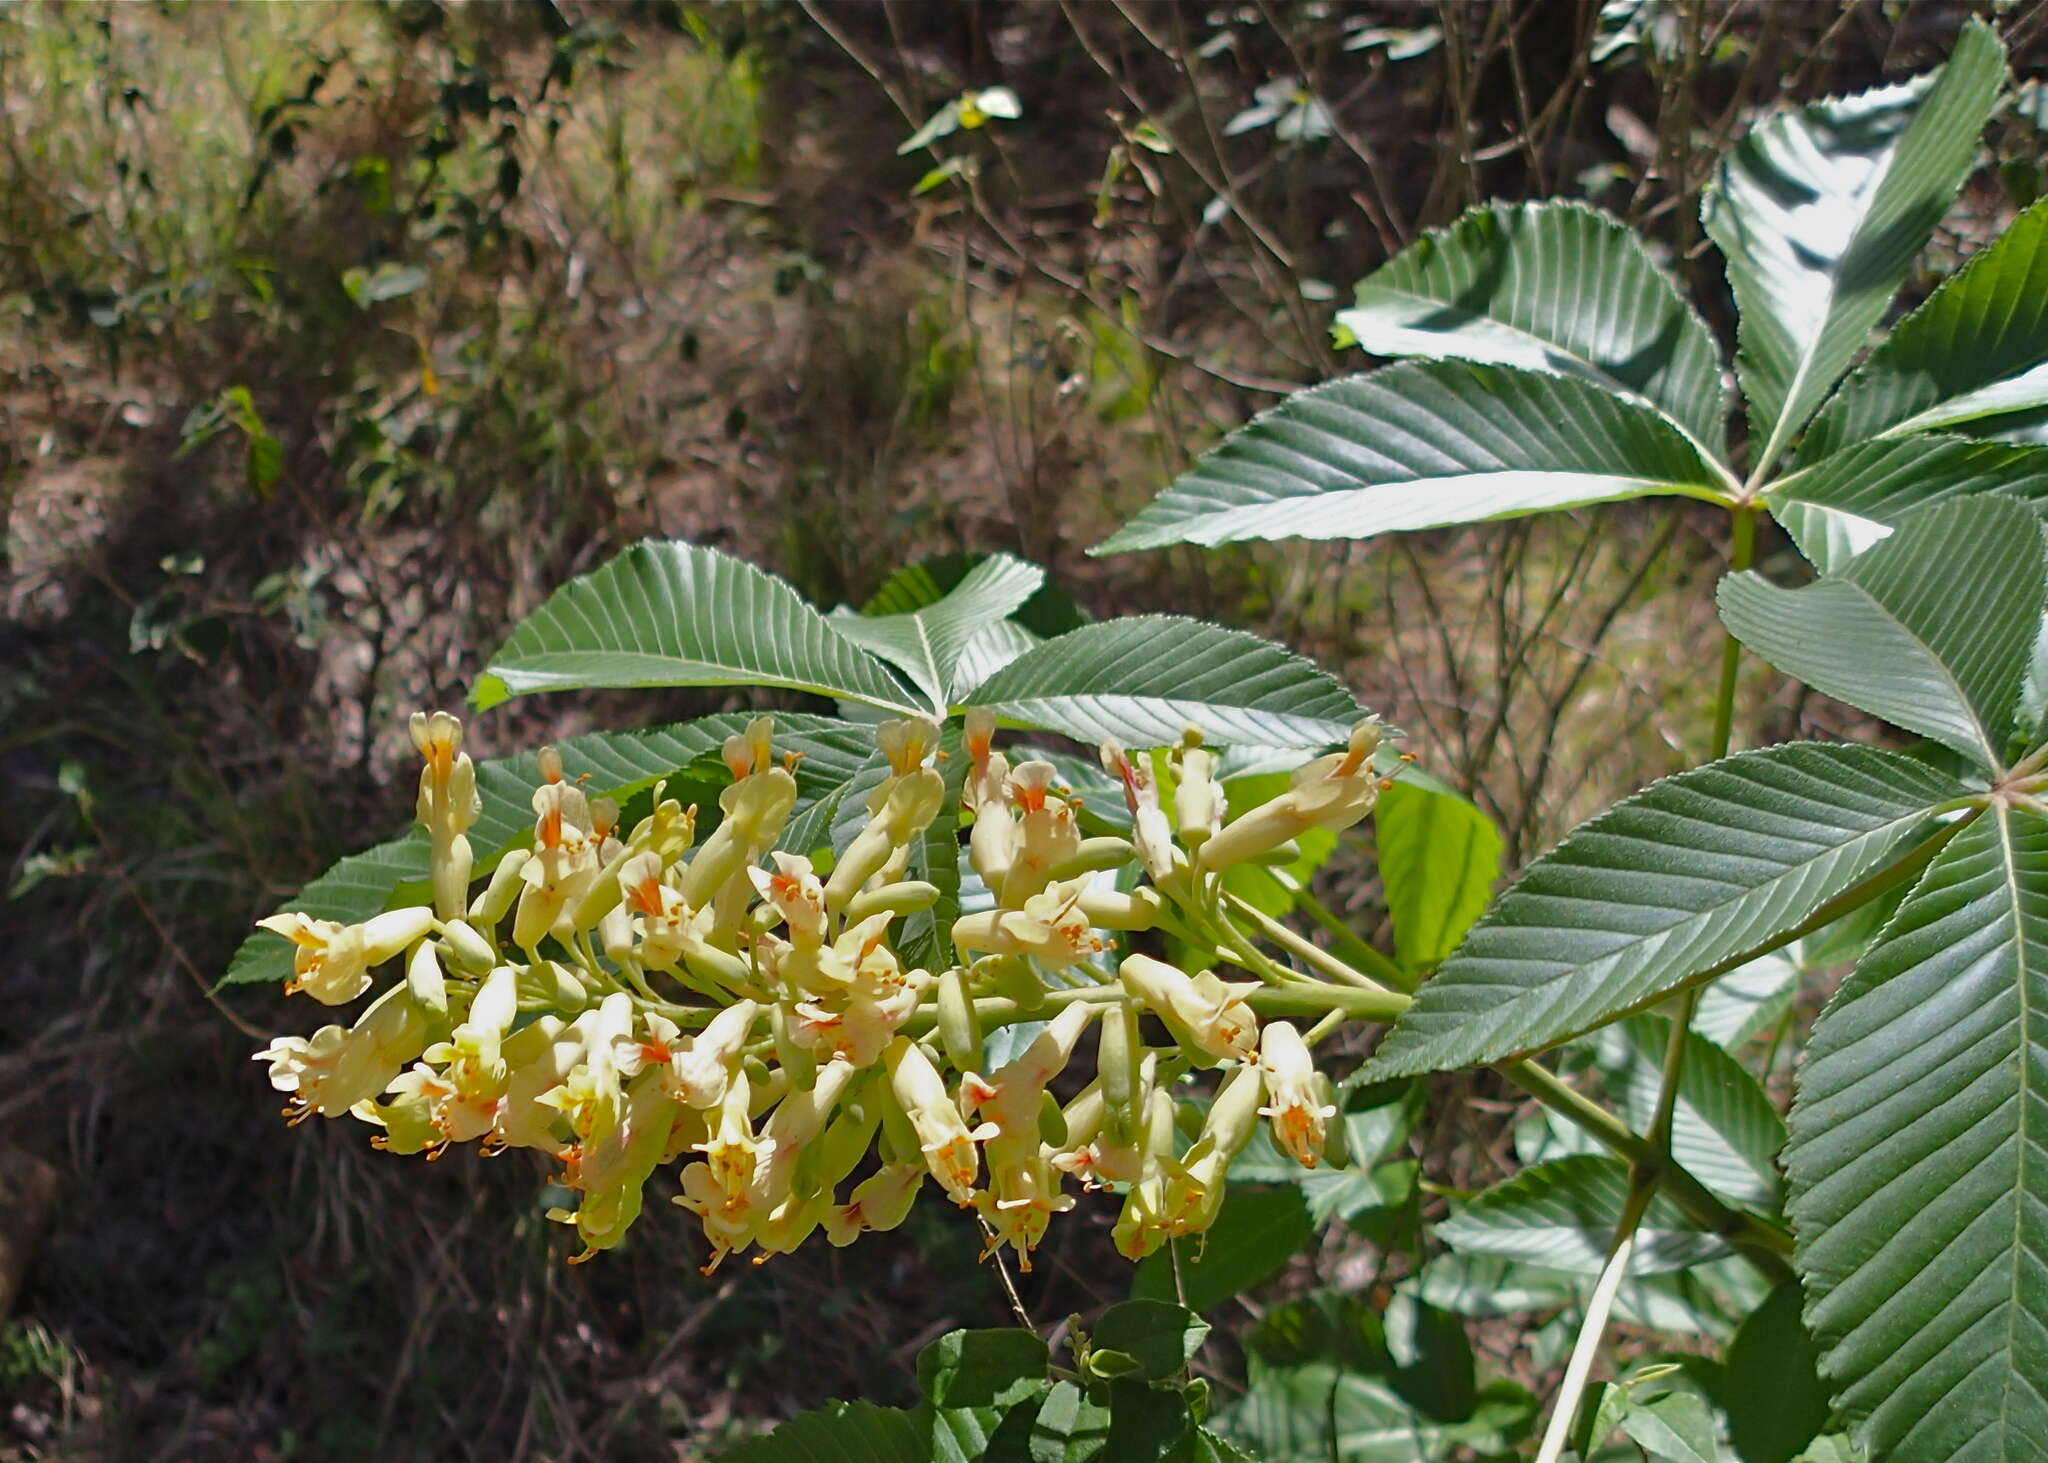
point(1052, 928)
point(947, 1141)
point(333, 962)
point(448, 807)
point(1299, 1115)
point(1046, 834)
point(1331, 792)
point(1202, 1010)
point(336, 1069)
point(881, 1201)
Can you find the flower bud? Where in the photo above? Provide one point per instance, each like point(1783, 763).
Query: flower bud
point(959, 1029)
point(469, 951)
point(911, 896)
point(506, 883)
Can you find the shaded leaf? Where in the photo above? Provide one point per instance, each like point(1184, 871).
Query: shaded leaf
point(1724, 1130)
point(1419, 445)
point(1776, 1401)
point(1676, 1427)
point(976, 1368)
point(1562, 1215)
point(1439, 857)
point(1253, 1237)
point(1694, 872)
point(1159, 1336)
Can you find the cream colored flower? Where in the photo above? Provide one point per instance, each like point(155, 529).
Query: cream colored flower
point(333, 962)
point(1203, 1010)
point(1299, 1115)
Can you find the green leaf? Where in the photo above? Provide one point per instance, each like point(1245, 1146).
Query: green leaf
point(1420, 445)
point(1159, 1336)
point(1676, 1427)
point(1820, 213)
point(927, 643)
point(677, 614)
point(1553, 286)
point(1049, 611)
point(977, 1368)
point(841, 1432)
point(1919, 1161)
point(1775, 1399)
point(1483, 1286)
point(616, 764)
point(1146, 1422)
point(1324, 1413)
point(1142, 679)
point(1891, 635)
point(1433, 1369)
point(1978, 347)
point(1439, 857)
point(1724, 1130)
point(1749, 998)
point(1253, 1238)
point(1069, 1427)
point(1695, 873)
point(1845, 503)
point(1562, 1215)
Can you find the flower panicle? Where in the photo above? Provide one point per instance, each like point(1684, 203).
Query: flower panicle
point(690, 991)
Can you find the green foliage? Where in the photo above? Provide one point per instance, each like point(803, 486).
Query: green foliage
point(1889, 634)
point(1546, 287)
point(1889, 1279)
point(1439, 857)
point(1820, 213)
point(1917, 1166)
point(1913, 1170)
point(1421, 445)
point(1612, 920)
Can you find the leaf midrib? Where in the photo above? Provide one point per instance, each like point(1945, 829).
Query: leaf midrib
point(539, 663)
point(2010, 855)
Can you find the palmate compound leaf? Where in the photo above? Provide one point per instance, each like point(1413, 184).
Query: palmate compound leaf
point(1693, 874)
point(1552, 286)
point(1422, 444)
point(1892, 635)
point(1820, 213)
point(1976, 349)
point(1919, 1162)
point(1853, 499)
point(678, 614)
point(615, 764)
point(1562, 1215)
point(1143, 679)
